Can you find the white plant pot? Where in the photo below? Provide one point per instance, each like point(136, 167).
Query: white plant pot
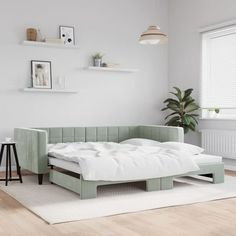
point(97, 62)
point(211, 114)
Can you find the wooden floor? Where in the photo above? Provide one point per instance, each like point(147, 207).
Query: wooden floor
point(217, 218)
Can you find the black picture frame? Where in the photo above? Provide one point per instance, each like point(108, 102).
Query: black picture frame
point(41, 74)
point(67, 33)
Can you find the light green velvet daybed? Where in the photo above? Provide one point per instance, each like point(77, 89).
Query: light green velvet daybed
point(33, 156)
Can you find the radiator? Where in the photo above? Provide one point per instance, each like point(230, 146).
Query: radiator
point(219, 142)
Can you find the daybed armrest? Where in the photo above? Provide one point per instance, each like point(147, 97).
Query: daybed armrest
point(32, 149)
point(162, 133)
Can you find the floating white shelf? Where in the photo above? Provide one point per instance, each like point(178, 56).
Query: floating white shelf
point(48, 90)
point(111, 69)
point(48, 45)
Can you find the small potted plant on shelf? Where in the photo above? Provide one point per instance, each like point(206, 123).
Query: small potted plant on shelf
point(213, 112)
point(97, 59)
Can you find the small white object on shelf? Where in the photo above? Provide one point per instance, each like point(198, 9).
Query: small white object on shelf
point(59, 83)
point(112, 69)
point(49, 45)
point(7, 139)
point(48, 90)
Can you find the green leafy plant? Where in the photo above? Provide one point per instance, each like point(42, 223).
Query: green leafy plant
point(182, 108)
point(98, 56)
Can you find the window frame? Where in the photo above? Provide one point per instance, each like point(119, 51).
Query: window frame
point(212, 32)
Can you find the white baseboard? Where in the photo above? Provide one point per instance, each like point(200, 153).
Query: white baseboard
point(230, 164)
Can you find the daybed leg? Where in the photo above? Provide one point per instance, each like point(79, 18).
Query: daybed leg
point(218, 177)
point(40, 179)
point(166, 183)
point(88, 189)
point(153, 184)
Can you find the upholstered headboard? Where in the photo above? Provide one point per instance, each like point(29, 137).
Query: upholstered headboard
point(112, 134)
point(32, 143)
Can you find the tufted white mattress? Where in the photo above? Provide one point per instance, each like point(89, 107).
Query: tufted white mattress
point(74, 167)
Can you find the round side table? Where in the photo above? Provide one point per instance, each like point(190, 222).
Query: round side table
point(8, 146)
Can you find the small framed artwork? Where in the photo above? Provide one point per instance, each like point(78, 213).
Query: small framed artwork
point(67, 34)
point(41, 74)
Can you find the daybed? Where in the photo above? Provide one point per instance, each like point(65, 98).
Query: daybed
point(33, 154)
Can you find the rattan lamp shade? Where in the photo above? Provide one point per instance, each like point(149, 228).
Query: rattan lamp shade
point(153, 36)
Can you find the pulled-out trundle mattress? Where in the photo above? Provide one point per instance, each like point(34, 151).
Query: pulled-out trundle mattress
point(200, 159)
point(66, 165)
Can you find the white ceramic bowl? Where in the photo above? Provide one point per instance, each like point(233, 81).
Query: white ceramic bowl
point(8, 139)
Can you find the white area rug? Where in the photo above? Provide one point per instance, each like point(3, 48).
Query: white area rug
point(57, 205)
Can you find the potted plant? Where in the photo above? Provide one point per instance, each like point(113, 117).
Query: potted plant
point(97, 59)
point(217, 111)
point(213, 112)
point(182, 110)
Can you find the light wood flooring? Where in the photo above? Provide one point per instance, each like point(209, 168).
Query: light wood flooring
point(216, 218)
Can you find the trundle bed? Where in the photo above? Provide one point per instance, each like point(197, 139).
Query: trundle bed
point(32, 145)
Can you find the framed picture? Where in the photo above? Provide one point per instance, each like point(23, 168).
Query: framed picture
point(67, 34)
point(41, 74)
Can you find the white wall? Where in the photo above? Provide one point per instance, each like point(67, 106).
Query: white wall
point(108, 26)
point(186, 17)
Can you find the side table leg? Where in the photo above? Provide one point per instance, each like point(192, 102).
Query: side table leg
point(9, 159)
point(1, 153)
point(17, 163)
point(7, 162)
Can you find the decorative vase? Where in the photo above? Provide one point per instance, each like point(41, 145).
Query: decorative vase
point(31, 34)
point(97, 62)
point(60, 83)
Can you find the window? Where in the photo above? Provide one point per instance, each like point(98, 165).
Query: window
point(218, 86)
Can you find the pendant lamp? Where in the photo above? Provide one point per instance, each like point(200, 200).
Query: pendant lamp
point(153, 36)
